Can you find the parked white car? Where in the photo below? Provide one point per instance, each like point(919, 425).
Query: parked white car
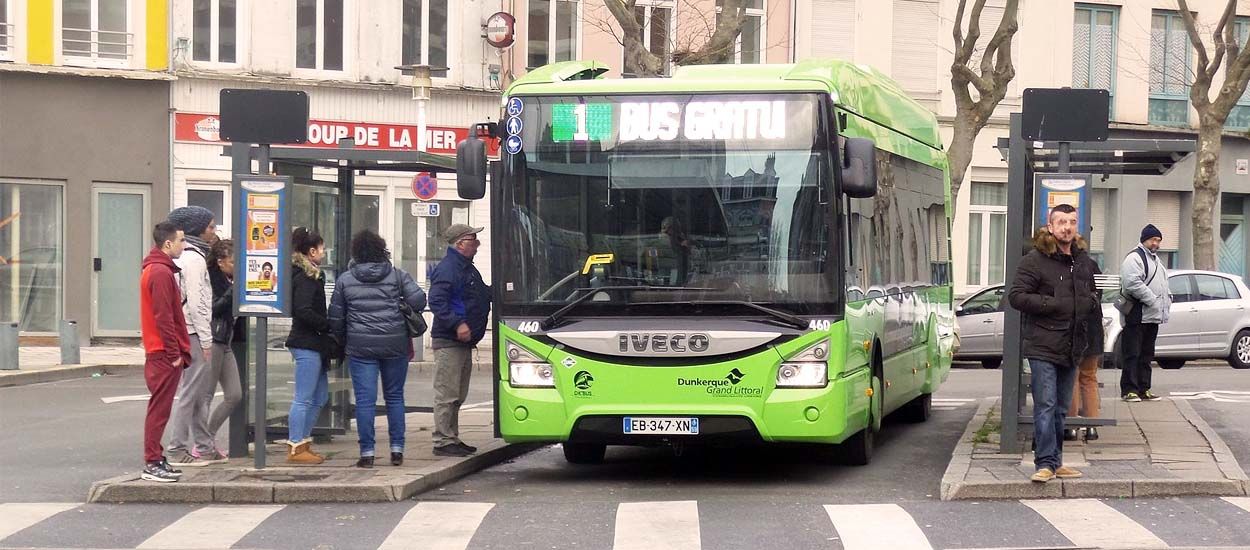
point(1210, 319)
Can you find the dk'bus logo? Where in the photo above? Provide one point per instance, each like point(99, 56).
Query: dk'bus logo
point(583, 380)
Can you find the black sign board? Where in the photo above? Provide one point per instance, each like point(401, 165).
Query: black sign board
point(264, 116)
point(1064, 114)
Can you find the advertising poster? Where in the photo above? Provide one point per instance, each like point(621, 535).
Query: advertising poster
point(1056, 189)
point(262, 203)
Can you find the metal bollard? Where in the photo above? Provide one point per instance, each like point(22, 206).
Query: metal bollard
point(69, 343)
point(418, 349)
point(8, 346)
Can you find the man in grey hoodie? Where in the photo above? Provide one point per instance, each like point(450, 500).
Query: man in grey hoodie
point(191, 444)
point(1144, 281)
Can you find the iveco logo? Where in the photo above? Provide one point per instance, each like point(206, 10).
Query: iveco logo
point(663, 342)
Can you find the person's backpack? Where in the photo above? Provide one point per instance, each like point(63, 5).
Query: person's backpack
point(1127, 305)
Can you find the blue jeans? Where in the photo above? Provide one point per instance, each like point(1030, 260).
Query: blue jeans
point(311, 393)
point(394, 372)
point(1052, 395)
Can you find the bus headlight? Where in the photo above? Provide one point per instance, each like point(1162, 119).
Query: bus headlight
point(526, 370)
point(802, 375)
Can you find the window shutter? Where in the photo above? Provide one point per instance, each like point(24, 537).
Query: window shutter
point(1163, 209)
point(1098, 219)
point(833, 29)
point(915, 46)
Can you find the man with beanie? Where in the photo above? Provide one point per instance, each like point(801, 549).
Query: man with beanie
point(1144, 284)
point(460, 301)
point(166, 347)
point(191, 443)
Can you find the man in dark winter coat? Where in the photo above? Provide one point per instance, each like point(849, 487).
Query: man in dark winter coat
point(460, 301)
point(1053, 288)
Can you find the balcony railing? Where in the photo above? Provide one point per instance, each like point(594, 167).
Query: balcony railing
point(105, 47)
point(7, 40)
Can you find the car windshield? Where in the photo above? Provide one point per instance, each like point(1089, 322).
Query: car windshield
point(684, 219)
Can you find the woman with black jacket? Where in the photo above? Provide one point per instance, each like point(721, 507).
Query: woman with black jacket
point(309, 342)
point(221, 276)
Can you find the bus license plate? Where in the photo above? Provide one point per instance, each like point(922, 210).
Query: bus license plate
point(657, 425)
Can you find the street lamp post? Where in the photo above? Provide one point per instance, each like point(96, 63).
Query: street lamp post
point(421, 85)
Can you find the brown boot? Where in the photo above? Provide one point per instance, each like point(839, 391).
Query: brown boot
point(300, 454)
point(308, 441)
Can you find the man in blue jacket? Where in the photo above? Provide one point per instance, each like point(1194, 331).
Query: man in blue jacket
point(460, 301)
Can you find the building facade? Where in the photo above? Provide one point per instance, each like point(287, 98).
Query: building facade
point(1137, 50)
point(84, 159)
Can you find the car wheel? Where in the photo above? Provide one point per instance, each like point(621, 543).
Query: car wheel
point(1240, 358)
point(991, 363)
point(1171, 364)
point(584, 453)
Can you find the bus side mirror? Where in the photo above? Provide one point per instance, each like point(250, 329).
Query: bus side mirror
point(471, 168)
point(859, 168)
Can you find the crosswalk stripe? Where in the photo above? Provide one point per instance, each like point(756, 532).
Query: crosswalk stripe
point(673, 525)
point(15, 516)
point(438, 526)
point(210, 527)
point(863, 526)
point(1240, 502)
point(1091, 523)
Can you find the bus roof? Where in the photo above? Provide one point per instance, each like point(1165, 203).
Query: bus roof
point(856, 88)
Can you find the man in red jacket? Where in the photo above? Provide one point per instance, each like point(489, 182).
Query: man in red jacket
point(166, 343)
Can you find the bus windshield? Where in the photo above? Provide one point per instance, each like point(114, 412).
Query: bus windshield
point(707, 198)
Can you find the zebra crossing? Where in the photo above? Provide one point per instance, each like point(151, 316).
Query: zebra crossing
point(950, 404)
point(676, 525)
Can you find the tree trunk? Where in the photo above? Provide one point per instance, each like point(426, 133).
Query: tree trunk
point(1206, 192)
point(960, 151)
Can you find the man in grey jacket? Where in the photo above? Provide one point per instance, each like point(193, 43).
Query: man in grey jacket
point(190, 443)
point(1144, 281)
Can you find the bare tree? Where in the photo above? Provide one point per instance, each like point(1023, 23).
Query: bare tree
point(989, 86)
point(709, 38)
point(1212, 113)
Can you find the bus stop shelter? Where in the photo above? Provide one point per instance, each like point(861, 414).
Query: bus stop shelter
point(1026, 159)
point(326, 205)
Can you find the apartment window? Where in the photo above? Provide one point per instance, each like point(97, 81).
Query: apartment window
point(1169, 70)
point(1093, 47)
point(987, 234)
point(426, 34)
point(749, 47)
point(914, 51)
point(655, 19)
point(552, 31)
point(31, 255)
point(1239, 116)
point(6, 30)
point(96, 30)
point(215, 30)
point(319, 34)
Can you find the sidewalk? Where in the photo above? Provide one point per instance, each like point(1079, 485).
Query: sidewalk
point(336, 480)
point(43, 364)
point(1161, 448)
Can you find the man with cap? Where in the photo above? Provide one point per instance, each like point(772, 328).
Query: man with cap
point(1144, 283)
point(191, 443)
point(460, 301)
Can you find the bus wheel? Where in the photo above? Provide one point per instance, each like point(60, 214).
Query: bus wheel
point(584, 453)
point(857, 451)
point(919, 409)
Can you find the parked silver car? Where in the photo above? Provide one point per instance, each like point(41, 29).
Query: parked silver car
point(1210, 319)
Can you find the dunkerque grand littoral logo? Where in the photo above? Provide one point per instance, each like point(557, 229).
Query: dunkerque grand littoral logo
point(583, 380)
point(735, 376)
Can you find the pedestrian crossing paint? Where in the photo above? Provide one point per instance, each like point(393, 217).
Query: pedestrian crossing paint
point(1240, 502)
point(650, 525)
point(949, 404)
point(17, 516)
point(1091, 523)
point(870, 526)
point(210, 527)
point(437, 526)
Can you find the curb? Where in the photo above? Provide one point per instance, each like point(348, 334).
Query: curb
point(961, 457)
point(390, 488)
point(61, 372)
point(1223, 455)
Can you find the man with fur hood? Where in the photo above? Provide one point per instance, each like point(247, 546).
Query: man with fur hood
point(1054, 289)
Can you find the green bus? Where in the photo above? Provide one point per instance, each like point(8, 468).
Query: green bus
point(738, 253)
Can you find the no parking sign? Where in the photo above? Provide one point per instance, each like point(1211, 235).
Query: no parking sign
point(424, 186)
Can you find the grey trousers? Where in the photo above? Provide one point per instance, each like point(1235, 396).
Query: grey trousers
point(452, 368)
point(189, 423)
point(227, 374)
